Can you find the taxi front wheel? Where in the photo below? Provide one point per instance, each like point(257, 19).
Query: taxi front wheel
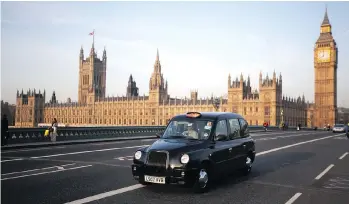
point(202, 182)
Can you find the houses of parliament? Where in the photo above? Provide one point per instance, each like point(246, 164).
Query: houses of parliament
point(265, 105)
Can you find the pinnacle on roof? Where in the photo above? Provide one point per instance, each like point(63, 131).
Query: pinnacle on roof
point(157, 54)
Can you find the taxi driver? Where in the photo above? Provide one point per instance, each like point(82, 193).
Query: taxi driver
point(191, 132)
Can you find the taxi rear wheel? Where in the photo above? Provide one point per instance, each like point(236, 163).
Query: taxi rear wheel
point(248, 165)
point(202, 181)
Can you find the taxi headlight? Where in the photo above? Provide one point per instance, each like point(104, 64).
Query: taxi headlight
point(138, 155)
point(184, 158)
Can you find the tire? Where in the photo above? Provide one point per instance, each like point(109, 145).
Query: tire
point(248, 166)
point(204, 175)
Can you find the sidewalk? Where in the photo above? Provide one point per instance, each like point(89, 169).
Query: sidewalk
point(70, 142)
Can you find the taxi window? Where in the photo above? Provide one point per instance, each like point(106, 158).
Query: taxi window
point(234, 129)
point(189, 128)
point(244, 124)
point(221, 128)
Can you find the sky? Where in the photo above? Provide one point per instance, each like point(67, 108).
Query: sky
point(199, 43)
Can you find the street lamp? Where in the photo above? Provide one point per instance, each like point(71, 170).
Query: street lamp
point(216, 103)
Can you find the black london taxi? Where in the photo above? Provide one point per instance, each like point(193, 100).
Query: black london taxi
point(195, 149)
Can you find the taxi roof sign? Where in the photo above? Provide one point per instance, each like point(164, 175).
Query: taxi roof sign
point(193, 114)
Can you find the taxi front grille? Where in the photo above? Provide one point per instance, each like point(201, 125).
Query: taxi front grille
point(158, 159)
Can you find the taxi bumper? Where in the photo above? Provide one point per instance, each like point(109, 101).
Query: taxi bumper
point(170, 175)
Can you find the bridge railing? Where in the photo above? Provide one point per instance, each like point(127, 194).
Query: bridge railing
point(32, 135)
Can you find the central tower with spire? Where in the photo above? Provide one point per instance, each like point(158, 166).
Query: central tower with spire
point(92, 76)
point(325, 71)
point(157, 85)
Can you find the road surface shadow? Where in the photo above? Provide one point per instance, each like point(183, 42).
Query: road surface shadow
point(262, 166)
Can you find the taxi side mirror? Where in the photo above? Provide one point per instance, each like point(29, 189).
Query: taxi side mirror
point(158, 135)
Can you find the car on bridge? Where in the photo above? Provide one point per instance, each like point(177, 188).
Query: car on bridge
point(338, 128)
point(196, 149)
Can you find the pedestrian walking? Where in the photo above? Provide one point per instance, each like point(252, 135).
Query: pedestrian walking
point(54, 127)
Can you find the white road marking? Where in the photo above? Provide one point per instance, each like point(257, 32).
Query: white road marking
point(106, 194)
point(294, 198)
point(29, 150)
point(324, 172)
point(340, 138)
point(272, 137)
point(287, 136)
point(60, 167)
point(337, 183)
point(255, 134)
point(296, 144)
point(137, 186)
point(84, 152)
point(9, 160)
point(48, 172)
point(345, 154)
point(51, 167)
point(129, 158)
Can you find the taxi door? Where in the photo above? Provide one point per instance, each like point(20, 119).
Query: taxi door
point(222, 148)
point(237, 153)
point(247, 143)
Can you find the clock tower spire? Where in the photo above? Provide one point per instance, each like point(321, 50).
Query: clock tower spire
point(325, 71)
point(326, 26)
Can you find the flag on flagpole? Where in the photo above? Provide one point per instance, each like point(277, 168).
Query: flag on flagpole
point(93, 36)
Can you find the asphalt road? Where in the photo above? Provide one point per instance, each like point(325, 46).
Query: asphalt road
point(291, 167)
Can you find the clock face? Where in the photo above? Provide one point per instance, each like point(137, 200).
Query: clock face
point(320, 54)
point(323, 55)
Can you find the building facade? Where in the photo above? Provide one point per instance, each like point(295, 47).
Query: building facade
point(93, 108)
point(268, 104)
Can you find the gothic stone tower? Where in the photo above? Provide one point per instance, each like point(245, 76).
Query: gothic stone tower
point(270, 96)
point(157, 85)
point(30, 108)
point(92, 76)
point(325, 69)
point(132, 89)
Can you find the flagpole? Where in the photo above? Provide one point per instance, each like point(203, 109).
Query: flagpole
point(93, 37)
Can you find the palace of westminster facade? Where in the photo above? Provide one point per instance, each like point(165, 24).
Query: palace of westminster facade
point(266, 105)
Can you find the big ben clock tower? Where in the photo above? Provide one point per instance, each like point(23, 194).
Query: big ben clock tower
point(325, 69)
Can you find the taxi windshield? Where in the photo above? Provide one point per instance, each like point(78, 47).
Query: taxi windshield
point(189, 128)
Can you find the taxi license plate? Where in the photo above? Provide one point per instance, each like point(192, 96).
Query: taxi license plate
point(154, 179)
